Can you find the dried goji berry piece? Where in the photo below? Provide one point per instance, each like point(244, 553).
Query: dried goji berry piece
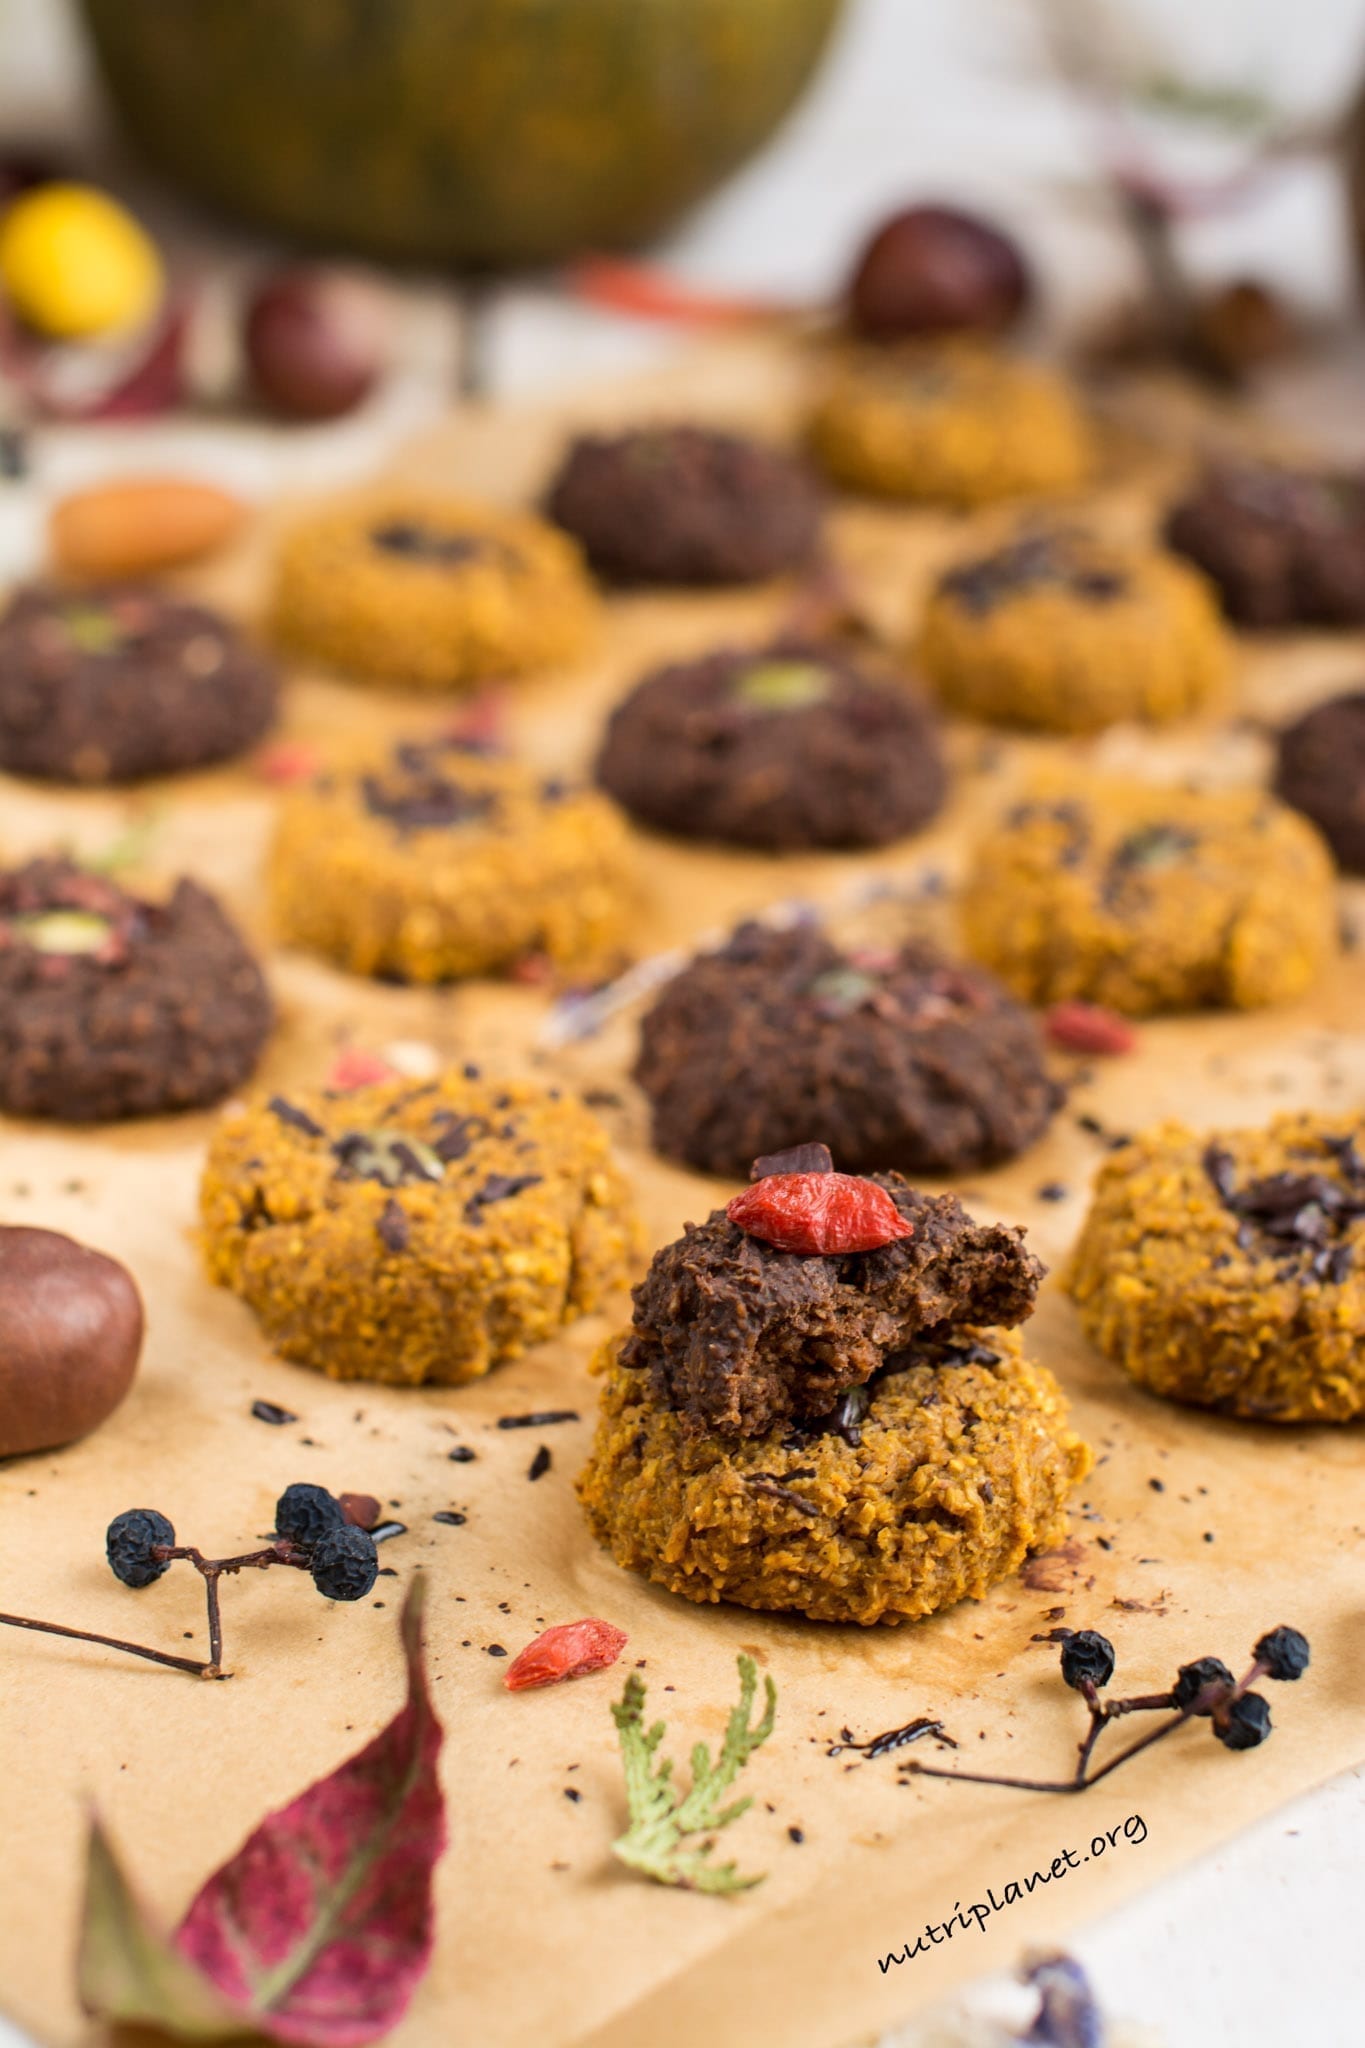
point(288, 761)
point(565, 1651)
point(824, 1213)
point(1086, 1027)
point(355, 1068)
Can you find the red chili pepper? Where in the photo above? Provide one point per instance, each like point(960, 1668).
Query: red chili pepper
point(567, 1650)
point(1086, 1027)
point(355, 1068)
point(822, 1213)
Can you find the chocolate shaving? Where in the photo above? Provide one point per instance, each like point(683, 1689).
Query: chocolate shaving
point(297, 1119)
point(540, 1464)
point(271, 1412)
point(796, 1159)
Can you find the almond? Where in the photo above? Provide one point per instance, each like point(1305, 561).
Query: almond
point(141, 525)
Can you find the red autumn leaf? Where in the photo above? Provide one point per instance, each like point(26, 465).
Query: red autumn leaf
point(317, 1932)
point(567, 1650)
point(1087, 1027)
point(819, 1213)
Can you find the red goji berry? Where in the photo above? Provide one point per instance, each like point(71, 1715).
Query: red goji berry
point(823, 1213)
point(565, 1651)
point(1086, 1027)
point(288, 761)
point(355, 1068)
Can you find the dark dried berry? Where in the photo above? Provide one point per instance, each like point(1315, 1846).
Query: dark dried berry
point(1194, 1677)
point(345, 1564)
point(1243, 1723)
point(305, 1514)
point(1284, 1653)
point(132, 1539)
point(1087, 1655)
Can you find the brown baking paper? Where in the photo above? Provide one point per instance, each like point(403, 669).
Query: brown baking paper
point(542, 1937)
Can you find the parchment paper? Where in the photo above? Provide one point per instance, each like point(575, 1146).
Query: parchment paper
point(542, 1937)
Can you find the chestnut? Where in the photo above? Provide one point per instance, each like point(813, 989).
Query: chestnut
point(934, 270)
point(70, 1337)
point(316, 341)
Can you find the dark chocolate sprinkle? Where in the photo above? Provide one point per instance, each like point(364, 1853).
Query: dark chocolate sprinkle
point(541, 1419)
point(394, 1227)
point(540, 1464)
point(297, 1119)
point(1052, 1191)
point(387, 1529)
point(462, 1455)
point(451, 1517)
point(271, 1412)
point(572, 1792)
point(892, 1738)
point(496, 1650)
point(796, 1835)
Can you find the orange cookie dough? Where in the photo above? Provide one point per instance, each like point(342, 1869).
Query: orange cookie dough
point(955, 424)
point(414, 1232)
point(962, 1466)
point(1061, 631)
point(429, 862)
point(1229, 1271)
point(428, 592)
point(1151, 899)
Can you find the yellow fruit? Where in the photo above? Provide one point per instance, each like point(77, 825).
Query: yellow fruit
point(75, 264)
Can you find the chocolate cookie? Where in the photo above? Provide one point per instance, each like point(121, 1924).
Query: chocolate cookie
point(900, 1059)
point(954, 423)
point(1320, 770)
point(785, 747)
point(1229, 1271)
point(1151, 899)
point(115, 1006)
point(428, 862)
point(116, 682)
point(685, 504)
point(1062, 631)
point(416, 1232)
point(427, 592)
point(1285, 546)
point(737, 1335)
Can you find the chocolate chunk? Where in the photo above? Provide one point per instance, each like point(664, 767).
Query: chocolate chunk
point(451, 1517)
point(297, 1119)
point(271, 1412)
point(540, 1464)
point(394, 1226)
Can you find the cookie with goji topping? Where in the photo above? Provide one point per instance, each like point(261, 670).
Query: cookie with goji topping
point(898, 1059)
point(1320, 770)
point(1061, 631)
point(430, 862)
point(427, 592)
point(931, 1482)
point(1284, 546)
point(1229, 1270)
point(953, 423)
point(686, 504)
point(116, 682)
point(737, 1334)
point(787, 747)
point(113, 1005)
point(1150, 899)
point(416, 1232)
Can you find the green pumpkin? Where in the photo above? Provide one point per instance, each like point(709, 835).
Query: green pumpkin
point(470, 131)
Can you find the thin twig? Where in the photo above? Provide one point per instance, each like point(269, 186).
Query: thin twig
point(85, 1635)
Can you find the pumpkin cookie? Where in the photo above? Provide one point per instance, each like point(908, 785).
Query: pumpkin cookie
point(1229, 1271)
point(956, 424)
point(112, 1005)
point(428, 592)
point(1320, 770)
point(415, 1232)
point(1063, 632)
point(1150, 899)
point(785, 748)
point(115, 682)
point(900, 1059)
point(839, 1434)
point(683, 504)
point(1284, 546)
point(432, 862)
